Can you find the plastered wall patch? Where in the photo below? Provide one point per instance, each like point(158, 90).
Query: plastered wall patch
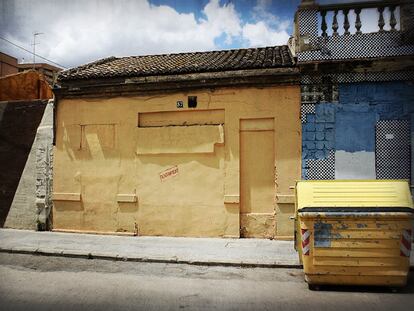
point(354, 165)
point(169, 173)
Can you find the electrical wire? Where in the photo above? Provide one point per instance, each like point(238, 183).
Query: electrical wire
point(37, 55)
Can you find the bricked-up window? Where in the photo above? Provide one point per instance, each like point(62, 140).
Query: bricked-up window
point(181, 118)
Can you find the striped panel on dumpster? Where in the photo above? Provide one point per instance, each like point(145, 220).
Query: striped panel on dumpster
point(405, 246)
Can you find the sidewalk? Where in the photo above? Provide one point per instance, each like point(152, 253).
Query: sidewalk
point(202, 251)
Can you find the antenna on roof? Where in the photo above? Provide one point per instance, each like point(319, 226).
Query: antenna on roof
point(34, 47)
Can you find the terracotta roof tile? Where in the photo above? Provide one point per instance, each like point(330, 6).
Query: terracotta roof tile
point(181, 63)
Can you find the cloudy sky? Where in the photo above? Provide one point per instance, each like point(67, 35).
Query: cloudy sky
point(80, 31)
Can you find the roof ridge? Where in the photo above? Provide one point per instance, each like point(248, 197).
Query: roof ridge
point(88, 65)
point(181, 63)
point(203, 52)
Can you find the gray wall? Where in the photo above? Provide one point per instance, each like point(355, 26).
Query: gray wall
point(31, 203)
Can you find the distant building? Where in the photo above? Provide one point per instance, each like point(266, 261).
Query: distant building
point(28, 85)
point(8, 65)
point(49, 71)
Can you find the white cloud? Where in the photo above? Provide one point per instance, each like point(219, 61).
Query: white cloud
point(261, 12)
point(260, 34)
point(267, 28)
point(81, 31)
point(221, 20)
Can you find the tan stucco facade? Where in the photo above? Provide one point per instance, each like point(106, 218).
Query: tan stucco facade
point(139, 164)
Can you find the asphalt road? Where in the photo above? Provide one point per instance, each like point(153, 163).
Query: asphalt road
point(30, 282)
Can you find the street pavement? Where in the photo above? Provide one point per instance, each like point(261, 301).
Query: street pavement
point(29, 282)
point(205, 251)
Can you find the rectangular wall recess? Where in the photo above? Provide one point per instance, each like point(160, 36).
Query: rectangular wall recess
point(181, 118)
point(265, 124)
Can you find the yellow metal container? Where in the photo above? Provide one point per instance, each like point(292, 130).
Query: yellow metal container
point(354, 232)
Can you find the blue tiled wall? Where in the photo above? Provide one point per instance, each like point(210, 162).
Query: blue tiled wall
point(360, 106)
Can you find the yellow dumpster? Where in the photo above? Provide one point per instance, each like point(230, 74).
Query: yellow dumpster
point(354, 232)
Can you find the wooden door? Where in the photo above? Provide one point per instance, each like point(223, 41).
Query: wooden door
point(257, 178)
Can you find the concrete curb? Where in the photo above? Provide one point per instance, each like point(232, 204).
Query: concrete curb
point(109, 257)
point(79, 254)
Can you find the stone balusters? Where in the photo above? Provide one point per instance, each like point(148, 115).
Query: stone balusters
point(324, 12)
point(346, 21)
point(358, 23)
point(393, 21)
point(335, 23)
point(324, 27)
point(381, 22)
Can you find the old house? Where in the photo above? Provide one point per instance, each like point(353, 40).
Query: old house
point(193, 144)
point(357, 93)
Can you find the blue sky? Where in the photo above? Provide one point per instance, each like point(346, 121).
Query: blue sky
point(80, 31)
point(284, 9)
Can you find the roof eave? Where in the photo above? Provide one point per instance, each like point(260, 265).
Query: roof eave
point(120, 86)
